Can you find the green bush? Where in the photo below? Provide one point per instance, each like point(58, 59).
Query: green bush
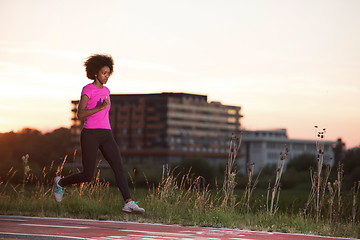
point(195, 167)
point(294, 179)
point(302, 162)
point(351, 163)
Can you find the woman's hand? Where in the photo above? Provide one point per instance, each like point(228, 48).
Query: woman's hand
point(105, 103)
point(83, 112)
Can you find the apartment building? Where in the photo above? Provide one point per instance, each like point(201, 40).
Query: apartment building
point(165, 127)
point(263, 147)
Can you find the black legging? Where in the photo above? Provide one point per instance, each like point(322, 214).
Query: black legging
point(92, 140)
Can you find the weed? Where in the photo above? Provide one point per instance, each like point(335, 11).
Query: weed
point(231, 172)
point(319, 179)
point(355, 192)
point(332, 193)
point(25, 160)
point(10, 174)
point(250, 186)
point(275, 192)
point(340, 175)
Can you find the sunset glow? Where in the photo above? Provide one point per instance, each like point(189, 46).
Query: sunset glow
point(288, 64)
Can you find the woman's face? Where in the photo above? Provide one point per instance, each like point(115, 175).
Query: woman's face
point(103, 75)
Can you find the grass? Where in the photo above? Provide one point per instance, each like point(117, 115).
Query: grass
point(188, 201)
point(174, 210)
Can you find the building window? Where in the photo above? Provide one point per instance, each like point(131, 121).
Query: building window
point(231, 111)
point(232, 120)
point(256, 145)
point(273, 155)
point(298, 146)
point(275, 145)
point(271, 145)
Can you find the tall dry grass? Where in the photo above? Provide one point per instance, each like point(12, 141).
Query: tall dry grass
point(195, 192)
point(325, 200)
point(275, 190)
point(231, 171)
point(355, 193)
point(250, 187)
point(189, 190)
point(42, 183)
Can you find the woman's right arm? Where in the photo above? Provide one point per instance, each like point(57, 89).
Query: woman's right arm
point(82, 112)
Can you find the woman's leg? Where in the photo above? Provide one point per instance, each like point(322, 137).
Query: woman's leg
point(110, 150)
point(89, 148)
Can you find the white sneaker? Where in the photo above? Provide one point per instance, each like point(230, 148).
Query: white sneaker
point(58, 191)
point(132, 207)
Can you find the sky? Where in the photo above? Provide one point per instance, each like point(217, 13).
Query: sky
point(288, 64)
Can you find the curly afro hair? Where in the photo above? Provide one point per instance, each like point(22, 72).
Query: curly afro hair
point(97, 61)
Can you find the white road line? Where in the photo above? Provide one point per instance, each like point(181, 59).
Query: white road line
point(12, 220)
point(240, 239)
point(108, 238)
point(41, 235)
point(150, 237)
point(55, 226)
point(158, 233)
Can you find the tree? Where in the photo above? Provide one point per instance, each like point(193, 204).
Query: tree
point(351, 163)
point(43, 149)
point(339, 151)
point(195, 167)
point(302, 162)
point(297, 171)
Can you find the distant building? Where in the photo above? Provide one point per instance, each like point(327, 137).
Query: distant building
point(165, 127)
point(263, 147)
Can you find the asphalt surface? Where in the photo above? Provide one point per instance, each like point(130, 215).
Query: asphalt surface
point(28, 228)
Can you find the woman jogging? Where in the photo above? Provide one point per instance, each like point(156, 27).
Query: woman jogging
point(96, 134)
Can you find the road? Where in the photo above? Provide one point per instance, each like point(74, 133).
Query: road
point(39, 228)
